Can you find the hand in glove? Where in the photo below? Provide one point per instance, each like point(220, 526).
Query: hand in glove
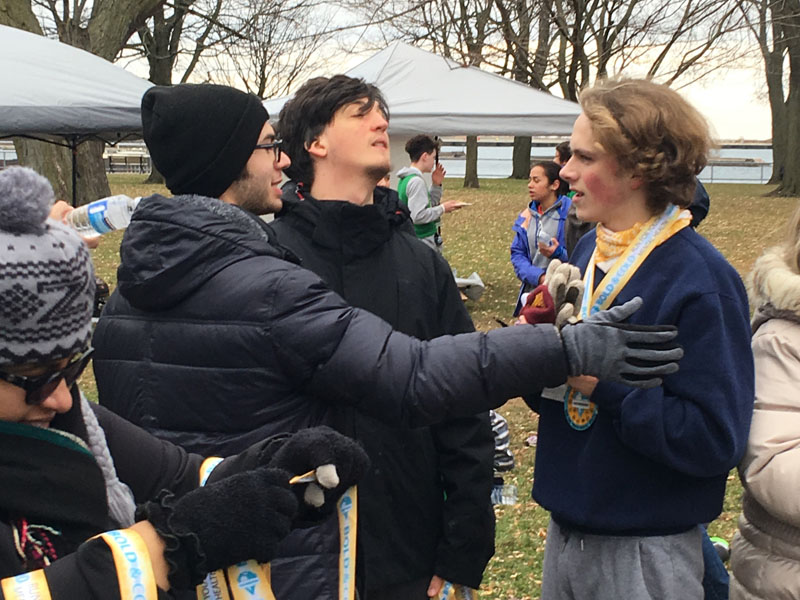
point(235, 519)
point(339, 463)
point(565, 284)
point(558, 299)
point(636, 355)
point(343, 463)
point(539, 307)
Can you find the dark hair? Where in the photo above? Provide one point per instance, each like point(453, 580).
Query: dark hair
point(551, 171)
point(564, 151)
point(419, 144)
point(305, 116)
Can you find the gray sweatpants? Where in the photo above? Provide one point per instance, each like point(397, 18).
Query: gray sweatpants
point(579, 566)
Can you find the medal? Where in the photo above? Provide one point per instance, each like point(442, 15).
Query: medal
point(579, 410)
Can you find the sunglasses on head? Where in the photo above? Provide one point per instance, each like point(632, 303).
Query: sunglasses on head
point(40, 387)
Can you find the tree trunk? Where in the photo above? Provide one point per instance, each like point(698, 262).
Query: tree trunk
point(521, 159)
point(788, 15)
point(19, 14)
point(55, 163)
point(780, 125)
point(790, 185)
point(773, 68)
point(471, 172)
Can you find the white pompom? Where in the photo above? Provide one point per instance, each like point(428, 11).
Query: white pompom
point(313, 495)
point(327, 476)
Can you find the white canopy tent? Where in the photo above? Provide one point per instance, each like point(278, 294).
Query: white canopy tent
point(430, 94)
point(53, 89)
point(54, 92)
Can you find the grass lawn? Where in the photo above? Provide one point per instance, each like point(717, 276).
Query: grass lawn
point(741, 224)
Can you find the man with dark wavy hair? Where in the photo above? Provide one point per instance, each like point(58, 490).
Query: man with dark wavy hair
point(426, 514)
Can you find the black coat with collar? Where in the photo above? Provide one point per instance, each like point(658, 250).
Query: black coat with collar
point(370, 255)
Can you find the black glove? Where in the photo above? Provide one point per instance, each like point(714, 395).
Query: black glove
point(241, 517)
point(298, 453)
point(339, 461)
point(636, 355)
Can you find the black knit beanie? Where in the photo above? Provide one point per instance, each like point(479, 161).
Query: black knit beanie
point(200, 137)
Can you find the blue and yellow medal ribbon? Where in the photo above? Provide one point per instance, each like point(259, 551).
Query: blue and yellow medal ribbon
point(347, 509)
point(452, 591)
point(206, 467)
point(250, 580)
point(579, 411)
point(214, 587)
point(132, 560)
point(28, 586)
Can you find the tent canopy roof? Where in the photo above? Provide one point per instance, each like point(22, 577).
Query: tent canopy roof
point(53, 89)
point(428, 93)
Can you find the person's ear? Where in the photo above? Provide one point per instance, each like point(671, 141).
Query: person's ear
point(637, 182)
point(318, 148)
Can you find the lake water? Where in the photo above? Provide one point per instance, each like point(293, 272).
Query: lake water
point(494, 162)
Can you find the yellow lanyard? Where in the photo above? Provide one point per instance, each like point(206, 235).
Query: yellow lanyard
point(134, 569)
point(347, 508)
point(654, 233)
point(579, 411)
point(28, 586)
point(250, 580)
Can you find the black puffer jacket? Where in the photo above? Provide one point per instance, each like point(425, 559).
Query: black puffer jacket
point(407, 529)
point(212, 340)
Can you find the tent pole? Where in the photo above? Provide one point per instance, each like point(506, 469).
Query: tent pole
point(74, 147)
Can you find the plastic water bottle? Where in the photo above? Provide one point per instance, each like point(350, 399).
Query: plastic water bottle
point(543, 237)
point(104, 215)
point(504, 494)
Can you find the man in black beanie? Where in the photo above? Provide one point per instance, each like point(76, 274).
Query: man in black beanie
point(205, 140)
point(215, 338)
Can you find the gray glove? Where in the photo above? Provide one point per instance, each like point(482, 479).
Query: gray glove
point(565, 284)
point(636, 355)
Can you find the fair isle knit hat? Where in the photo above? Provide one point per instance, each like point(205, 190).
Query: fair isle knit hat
point(46, 275)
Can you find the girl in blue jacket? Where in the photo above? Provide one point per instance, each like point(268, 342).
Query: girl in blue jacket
point(539, 229)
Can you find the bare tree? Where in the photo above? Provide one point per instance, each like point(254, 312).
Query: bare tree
point(775, 25)
point(164, 37)
point(277, 43)
point(101, 27)
point(457, 29)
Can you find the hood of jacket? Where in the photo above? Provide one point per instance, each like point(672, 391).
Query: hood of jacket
point(774, 288)
point(408, 171)
point(174, 245)
point(340, 225)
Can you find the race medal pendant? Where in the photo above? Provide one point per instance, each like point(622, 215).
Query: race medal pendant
point(579, 410)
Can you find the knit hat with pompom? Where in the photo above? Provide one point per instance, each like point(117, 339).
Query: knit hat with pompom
point(46, 275)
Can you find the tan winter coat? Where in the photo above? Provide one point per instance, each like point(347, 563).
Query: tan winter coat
point(765, 553)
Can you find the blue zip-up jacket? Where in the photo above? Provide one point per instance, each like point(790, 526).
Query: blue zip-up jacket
point(656, 461)
point(522, 258)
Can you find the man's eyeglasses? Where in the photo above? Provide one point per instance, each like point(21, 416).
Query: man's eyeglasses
point(39, 388)
point(275, 146)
